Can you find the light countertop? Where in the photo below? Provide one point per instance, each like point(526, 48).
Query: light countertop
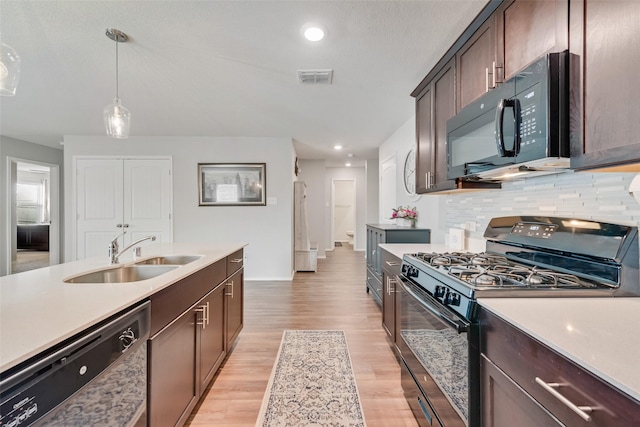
point(399, 249)
point(598, 334)
point(39, 310)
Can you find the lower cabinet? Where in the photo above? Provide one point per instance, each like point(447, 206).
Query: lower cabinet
point(527, 384)
point(186, 351)
point(234, 300)
point(391, 266)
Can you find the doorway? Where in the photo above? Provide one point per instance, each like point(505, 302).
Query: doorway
point(343, 212)
point(33, 220)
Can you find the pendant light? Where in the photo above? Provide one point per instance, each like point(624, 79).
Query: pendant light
point(117, 119)
point(9, 70)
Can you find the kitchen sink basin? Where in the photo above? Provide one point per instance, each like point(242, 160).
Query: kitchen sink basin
point(170, 260)
point(133, 273)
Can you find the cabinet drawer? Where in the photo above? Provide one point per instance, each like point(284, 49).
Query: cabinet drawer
point(524, 359)
point(172, 301)
point(235, 262)
point(391, 263)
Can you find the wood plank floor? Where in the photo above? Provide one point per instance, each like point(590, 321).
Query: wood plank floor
point(332, 298)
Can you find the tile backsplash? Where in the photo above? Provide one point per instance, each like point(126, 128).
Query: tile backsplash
point(598, 196)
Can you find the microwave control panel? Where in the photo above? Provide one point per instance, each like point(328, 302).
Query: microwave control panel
point(531, 129)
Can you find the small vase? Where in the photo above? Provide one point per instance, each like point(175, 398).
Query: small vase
point(404, 222)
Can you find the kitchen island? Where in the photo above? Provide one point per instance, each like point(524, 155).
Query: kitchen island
point(39, 310)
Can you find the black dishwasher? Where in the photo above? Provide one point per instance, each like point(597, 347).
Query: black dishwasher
point(98, 378)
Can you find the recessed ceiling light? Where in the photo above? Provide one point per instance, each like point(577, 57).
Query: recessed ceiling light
point(313, 32)
point(337, 147)
point(350, 155)
point(347, 164)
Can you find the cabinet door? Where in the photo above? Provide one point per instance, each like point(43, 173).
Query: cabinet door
point(388, 304)
point(147, 199)
point(425, 147)
point(444, 107)
point(528, 29)
point(211, 330)
point(474, 61)
point(234, 308)
point(173, 387)
point(99, 198)
point(505, 404)
point(604, 37)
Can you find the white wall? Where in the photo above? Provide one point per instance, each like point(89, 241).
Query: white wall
point(267, 229)
point(373, 186)
point(14, 148)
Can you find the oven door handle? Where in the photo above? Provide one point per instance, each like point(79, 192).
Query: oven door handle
point(431, 304)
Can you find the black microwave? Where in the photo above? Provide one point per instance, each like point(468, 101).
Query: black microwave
point(515, 129)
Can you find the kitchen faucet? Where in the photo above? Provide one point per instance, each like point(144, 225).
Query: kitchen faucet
point(114, 249)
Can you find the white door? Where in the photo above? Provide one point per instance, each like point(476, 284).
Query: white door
point(147, 199)
point(118, 195)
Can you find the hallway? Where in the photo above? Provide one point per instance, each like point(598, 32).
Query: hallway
point(332, 298)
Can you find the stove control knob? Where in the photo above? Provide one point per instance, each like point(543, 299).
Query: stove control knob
point(453, 299)
point(439, 291)
point(405, 267)
point(413, 272)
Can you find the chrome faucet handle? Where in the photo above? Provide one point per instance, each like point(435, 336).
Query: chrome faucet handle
point(114, 249)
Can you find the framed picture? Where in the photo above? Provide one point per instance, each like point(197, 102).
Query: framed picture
point(232, 184)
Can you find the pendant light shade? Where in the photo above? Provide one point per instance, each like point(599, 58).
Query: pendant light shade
point(9, 70)
point(117, 118)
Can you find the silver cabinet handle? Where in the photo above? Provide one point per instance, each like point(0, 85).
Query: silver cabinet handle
point(392, 263)
point(393, 282)
point(125, 225)
point(203, 309)
point(580, 410)
point(236, 260)
point(119, 225)
point(230, 283)
point(486, 79)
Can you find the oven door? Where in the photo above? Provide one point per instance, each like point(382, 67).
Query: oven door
point(438, 349)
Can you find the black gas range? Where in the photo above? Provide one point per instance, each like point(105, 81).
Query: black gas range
point(529, 256)
point(525, 256)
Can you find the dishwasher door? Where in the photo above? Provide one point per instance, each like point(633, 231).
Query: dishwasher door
point(99, 378)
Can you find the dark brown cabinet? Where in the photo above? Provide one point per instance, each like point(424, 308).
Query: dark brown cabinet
point(194, 324)
point(604, 38)
point(527, 30)
point(525, 383)
point(391, 266)
point(234, 309)
point(434, 106)
point(475, 62)
point(34, 237)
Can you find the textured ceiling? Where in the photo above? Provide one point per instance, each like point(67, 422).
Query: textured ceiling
point(226, 68)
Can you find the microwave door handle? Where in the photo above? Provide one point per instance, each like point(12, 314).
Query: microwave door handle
point(502, 149)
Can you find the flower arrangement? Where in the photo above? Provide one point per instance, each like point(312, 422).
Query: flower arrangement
point(405, 212)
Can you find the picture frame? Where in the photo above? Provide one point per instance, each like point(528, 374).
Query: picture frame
point(232, 184)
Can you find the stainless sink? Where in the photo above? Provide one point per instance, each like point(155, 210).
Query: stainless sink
point(133, 273)
point(170, 260)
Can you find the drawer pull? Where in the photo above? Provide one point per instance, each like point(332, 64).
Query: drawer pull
point(392, 263)
point(236, 260)
point(580, 410)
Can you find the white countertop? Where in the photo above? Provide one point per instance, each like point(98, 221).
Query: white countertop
point(39, 310)
point(399, 249)
point(598, 334)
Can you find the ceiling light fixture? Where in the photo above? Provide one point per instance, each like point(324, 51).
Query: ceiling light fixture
point(313, 32)
point(337, 147)
point(117, 119)
point(347, 164)
point(9, 70)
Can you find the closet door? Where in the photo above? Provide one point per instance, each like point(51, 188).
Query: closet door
point(118, 195)
point(98, 205)
point(147, 199)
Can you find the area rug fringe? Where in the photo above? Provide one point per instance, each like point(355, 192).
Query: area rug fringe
point(312, 383)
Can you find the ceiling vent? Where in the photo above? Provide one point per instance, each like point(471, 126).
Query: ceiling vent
point(314, 77)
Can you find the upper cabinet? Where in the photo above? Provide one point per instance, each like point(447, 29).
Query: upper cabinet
point(604, 40)
point(527, 30)
point(504, 38)
point(476, 62)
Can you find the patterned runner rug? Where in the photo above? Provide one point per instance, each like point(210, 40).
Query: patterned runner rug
point(312, 383)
